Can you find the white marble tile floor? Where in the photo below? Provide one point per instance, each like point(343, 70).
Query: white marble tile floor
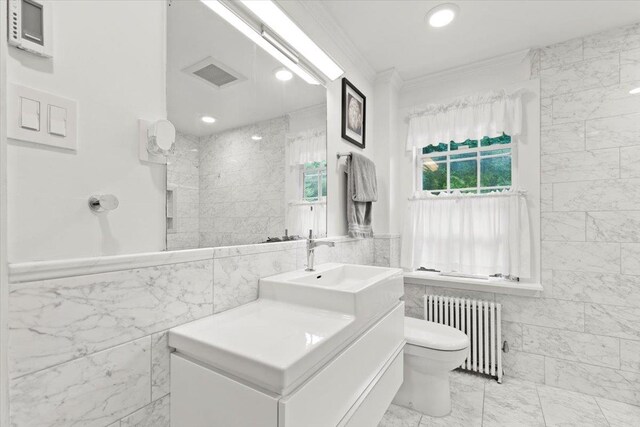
point(481, 401)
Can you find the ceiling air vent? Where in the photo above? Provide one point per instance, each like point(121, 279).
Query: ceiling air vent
point(214, 73)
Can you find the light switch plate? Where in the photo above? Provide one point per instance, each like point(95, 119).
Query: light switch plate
point(57, 120)
point(29, 114)
point(56, 126)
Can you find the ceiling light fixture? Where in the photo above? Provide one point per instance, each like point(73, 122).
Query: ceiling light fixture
point(442, 15)
point(635, 91)
point(283, 74)
point(208, 119)
point(232, 18)
point(279, 22)
point(256, 137)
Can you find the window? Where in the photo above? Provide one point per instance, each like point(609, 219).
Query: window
point(471, 166)
point(314, 181)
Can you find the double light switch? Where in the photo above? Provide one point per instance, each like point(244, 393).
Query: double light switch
point(41, 117)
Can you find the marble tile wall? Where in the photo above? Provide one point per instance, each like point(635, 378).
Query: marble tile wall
point(585, 328)
point(91, 349)
point(583, 333)
point(242, 184)
point(387, 250)
point(183, 179)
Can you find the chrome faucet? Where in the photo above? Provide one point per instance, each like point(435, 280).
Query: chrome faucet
point(311, 245)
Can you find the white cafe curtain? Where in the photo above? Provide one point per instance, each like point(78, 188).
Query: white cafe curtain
point(305, 216)
point(473, 117)
point(477, 234)
point(307, 146)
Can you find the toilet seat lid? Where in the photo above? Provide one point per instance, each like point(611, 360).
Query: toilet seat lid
point(433, 335)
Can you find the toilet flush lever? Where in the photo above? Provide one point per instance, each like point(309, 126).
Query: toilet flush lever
point(103, 202)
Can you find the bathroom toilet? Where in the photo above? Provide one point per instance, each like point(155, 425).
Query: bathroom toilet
point(431, 352)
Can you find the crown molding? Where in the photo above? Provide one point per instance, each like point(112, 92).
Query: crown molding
point(510, 59)
point(321, 15)
point(390, 76)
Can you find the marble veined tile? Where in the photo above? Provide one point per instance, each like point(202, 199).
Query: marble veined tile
point(398, 416)
point(53, 321)
point(546, 112)
point(160, 365)
point(569, 345)
point(155, 414)
point(563, 226)
point(564, 408)
point(630, 253)
point(92, 391)
point(612, 41)
point(630, 162)
point(546, 197)
point(603, 195)
point(610, 383)
point(608, 132)
point(601, 288)
point(524, 366)
point(630, 65)
point(580, 166)
point(615, 321)
point(236, 278)
point(561, 53)
point(613, 226)
point(512, 333)
point(562, 138)
point(594, 72)
point(467, 395)
point(630, 355)
point(595, 103)
point(582, 256)
point(512, 403)
point(414, 300)
point(619, 414)
point(543, 312)
point(382, 252)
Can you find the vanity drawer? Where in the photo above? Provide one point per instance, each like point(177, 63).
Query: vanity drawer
point(326, 398)
point(378, 397)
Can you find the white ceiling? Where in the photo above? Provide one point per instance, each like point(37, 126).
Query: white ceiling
point(395, 34)
point(195, 32)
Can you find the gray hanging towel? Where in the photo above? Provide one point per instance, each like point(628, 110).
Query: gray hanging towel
point(362, 190)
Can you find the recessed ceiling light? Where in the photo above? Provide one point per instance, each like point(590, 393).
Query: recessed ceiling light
point(256, 137)
point(283, 74)
point(208, 119)
point(635, 91)
point(442, 15)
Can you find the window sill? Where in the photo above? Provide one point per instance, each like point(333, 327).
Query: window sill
point(492, 285)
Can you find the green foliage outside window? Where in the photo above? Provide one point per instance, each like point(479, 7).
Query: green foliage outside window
point(314, 180)
point(454, 166)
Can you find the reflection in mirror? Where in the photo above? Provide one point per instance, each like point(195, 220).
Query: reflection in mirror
point(249, 164)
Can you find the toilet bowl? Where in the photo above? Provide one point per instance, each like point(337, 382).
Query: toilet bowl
point(431, 352)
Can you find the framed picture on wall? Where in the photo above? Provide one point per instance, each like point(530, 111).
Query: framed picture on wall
point(354, 109)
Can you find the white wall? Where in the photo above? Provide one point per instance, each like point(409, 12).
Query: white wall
point(110, 57)
point(312, 18)
point(510, 73)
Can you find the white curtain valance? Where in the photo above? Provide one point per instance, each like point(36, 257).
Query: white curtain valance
point(473, 117)
point(474, 234)
point(308, 146)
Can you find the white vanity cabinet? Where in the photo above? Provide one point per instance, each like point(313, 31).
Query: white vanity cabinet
point(278, 364)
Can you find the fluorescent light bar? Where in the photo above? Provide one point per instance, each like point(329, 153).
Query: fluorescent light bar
point(225, 13)
point(276, 19)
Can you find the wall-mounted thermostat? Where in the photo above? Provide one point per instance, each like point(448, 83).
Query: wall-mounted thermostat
point(29, 26)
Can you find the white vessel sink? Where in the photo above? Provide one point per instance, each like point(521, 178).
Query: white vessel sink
point(364, 292)
point(300, 321)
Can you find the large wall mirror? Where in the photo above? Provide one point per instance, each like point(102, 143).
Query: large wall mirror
point(250, 157)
